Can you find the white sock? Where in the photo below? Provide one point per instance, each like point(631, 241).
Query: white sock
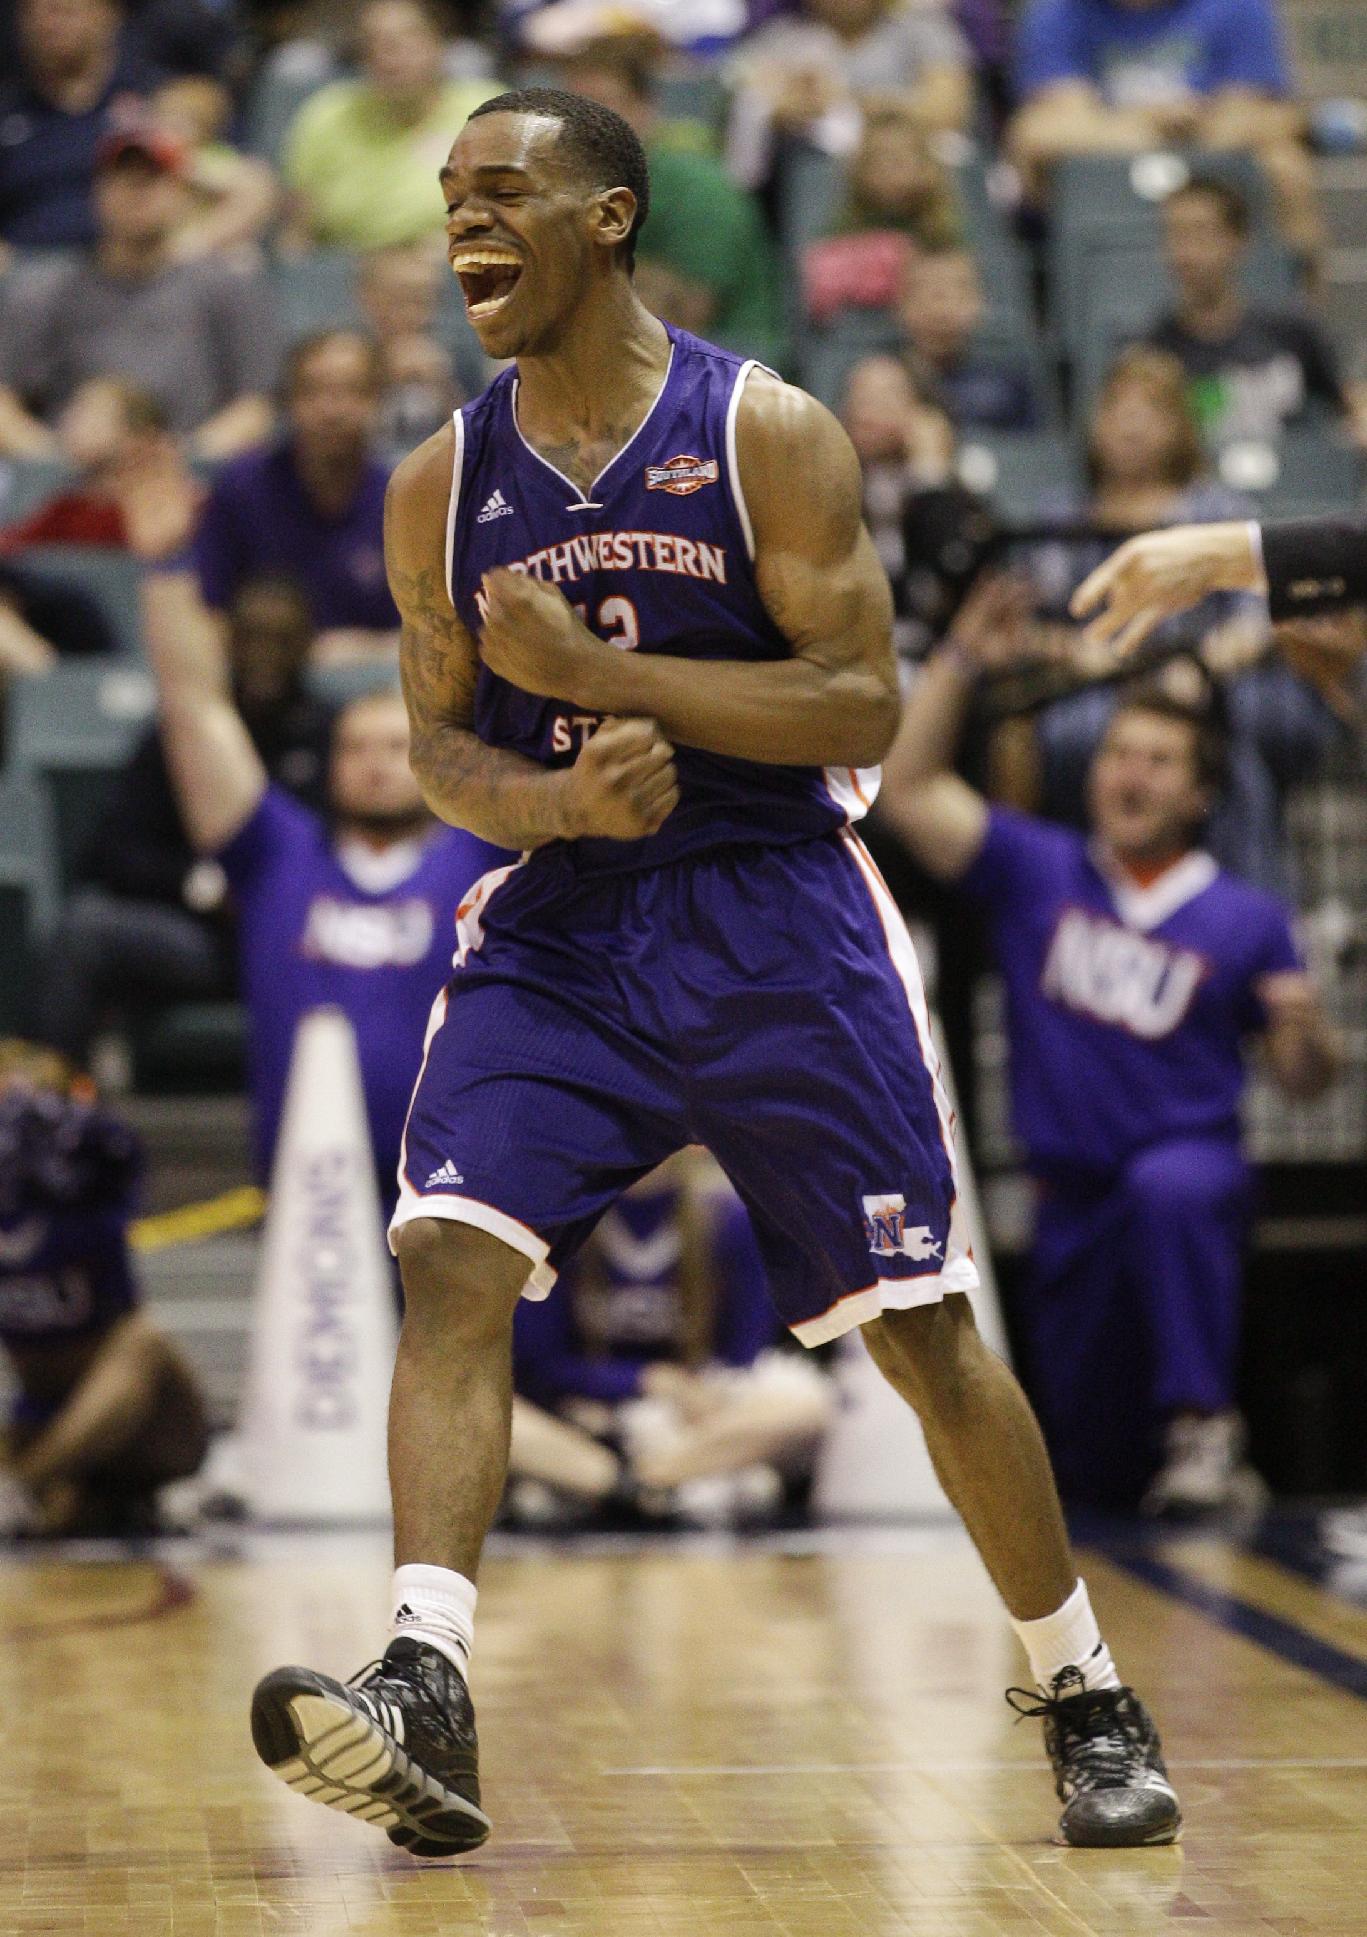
point(1068, 1638)
point(436, 1606)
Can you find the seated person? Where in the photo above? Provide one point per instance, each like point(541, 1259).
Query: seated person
point(704, 256)
point(900, 200)
point(658, 1342)
point(199, 336)
point(941, 309)
point(1117, 77)
point(310, 506)
point(107, 1410)
point(64, 81)
point(352, 908)
point(930, 531)
point(361, 156)
point(398, 291)
point(1148, 468)
point(806, 74)
point(231, 199)
point(1253, 367)
point(150, 921)
point(132, 491)
point(1137, 975)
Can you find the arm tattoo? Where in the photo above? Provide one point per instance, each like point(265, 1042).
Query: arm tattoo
point(497, 794)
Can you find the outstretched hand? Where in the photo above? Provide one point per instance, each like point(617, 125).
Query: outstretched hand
point(1155, 577)
point(994, 625)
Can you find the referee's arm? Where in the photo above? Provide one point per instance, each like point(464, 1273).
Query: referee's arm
point(1314, 565)
point(1306, 566)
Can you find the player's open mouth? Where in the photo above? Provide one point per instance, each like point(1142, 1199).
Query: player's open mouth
point(488, 278)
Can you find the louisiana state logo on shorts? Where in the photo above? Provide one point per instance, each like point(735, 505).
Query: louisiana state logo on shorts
point(682, 475)
point(889, 1234)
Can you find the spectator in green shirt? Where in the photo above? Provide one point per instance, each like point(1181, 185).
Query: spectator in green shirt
point(705, 259)
point(361, 156)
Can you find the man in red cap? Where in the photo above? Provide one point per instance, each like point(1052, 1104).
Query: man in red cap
point(198, 336)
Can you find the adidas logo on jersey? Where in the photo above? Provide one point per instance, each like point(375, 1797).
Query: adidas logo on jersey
point(448, 1174)
point(497, 506)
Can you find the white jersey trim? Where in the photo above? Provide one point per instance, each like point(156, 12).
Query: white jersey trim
point(519, 1237)
point(458, 466)
point(1146, 908)
point(586, 500)
point(853, 789)
point(733, 460)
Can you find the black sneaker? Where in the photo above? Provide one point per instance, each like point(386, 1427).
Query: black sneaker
point(1108, 1763)
point(395, 1747)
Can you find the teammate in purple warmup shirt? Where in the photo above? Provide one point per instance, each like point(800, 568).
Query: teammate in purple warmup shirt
point(105, 1410)
point(647, 641)
point(1136, 974)
point(356, 910)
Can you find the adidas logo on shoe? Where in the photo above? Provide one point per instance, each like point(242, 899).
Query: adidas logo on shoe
point(496, 506)
point(448, 1174)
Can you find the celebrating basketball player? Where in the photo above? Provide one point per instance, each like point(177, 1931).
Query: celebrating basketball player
point(646, 640)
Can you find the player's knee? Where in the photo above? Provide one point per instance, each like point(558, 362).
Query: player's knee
point(927, 1350)
point(458, 1277)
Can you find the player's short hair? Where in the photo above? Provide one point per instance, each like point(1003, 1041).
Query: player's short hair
point(1210, 745)
point(1232, 203)
point(606, 147)
point(301, 352)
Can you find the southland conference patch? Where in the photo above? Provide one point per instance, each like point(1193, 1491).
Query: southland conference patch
point(682, 475)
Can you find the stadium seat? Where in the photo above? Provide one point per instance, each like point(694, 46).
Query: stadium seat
point(1018, 470)
point(190, 1048)
point(283, 84)
point(74, 727)
point(826, 356)
point(111, 578)
point(28, 842)
point(317, 291)
point(1307, 471)
point(1117, 200)
point(28, 482)
point(335, 685)
point(16, 947)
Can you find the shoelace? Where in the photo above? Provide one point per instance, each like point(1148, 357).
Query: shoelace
point(1096, 1733)
point(415, 1687)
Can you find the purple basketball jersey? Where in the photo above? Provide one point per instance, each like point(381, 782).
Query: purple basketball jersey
point(660, 555)
point(1128, 1008)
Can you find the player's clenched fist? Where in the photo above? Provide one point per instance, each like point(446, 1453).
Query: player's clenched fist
point(623, 786)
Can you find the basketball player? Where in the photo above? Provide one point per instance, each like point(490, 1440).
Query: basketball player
point(647, 640)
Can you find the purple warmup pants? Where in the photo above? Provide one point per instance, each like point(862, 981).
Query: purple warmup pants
point(1131, 1309)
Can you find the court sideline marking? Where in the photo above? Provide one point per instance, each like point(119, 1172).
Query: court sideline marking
point(1272, 1632)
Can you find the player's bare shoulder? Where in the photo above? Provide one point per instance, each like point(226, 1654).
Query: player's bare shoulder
point(416, 502)
point(798, 468)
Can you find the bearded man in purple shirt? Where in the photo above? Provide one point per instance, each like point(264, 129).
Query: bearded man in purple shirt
point(1136, 973)
point(356, 909)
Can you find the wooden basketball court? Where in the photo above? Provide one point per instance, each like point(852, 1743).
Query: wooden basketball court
point(699, 1740)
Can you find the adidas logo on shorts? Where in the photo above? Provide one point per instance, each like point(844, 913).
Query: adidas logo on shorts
point(448, 1174)
point(496, 506)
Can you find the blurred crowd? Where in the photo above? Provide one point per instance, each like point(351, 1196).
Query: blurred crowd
point(1059, 266)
